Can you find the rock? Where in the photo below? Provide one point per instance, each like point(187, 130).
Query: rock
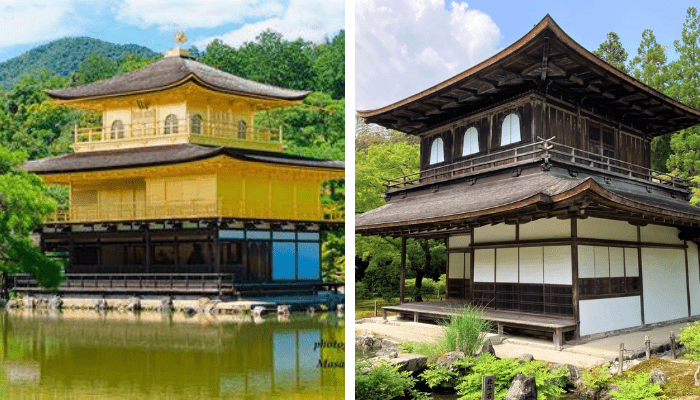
point(211, 307)
point(258, 311)
point(486, 348)
point(526, 358)
point(389, 343)
point(388, 352)
point(284, 309)
point(101, 304)
point(203, 302)
point(574, 372)
point(311, 310)
point(606, 394)
point(29, 302)
point(12, 304)
point(55, 303)
point(370, 343)
point(447, 360)
point(133, 304)
point(405, 361)
point(658, 376)
point(522, 388)
point(166, 304)
point(341, 308)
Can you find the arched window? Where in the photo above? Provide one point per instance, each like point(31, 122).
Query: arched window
point(170, 124)
point(242, 129)
point(117, 130)
point(437, 153)
point(196, 124)
point(510, 130)
point(471, 142)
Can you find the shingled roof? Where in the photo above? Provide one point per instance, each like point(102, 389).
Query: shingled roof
point(164, 155)
point(175, 71)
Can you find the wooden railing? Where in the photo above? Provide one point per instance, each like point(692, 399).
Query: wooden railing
point(133, 281)
point(544, 150)
point(150, 210)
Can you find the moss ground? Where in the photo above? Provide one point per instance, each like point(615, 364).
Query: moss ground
point(681, 384)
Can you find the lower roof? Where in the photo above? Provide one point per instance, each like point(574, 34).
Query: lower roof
point(164, 155)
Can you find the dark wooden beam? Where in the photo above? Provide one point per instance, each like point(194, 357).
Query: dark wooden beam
point(403, 269)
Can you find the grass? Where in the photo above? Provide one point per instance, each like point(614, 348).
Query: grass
point(463, 332)
point(679, 373)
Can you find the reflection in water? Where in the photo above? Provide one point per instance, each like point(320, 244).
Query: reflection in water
point(152, 356)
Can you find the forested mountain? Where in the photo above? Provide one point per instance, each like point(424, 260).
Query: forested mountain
point(64, 56)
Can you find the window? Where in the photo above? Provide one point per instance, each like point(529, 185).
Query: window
point(510, 130)
point(437, 153)
point(471, 142)
point(170, 124)
point(242, 129)
point(117, 130)
point(196, 124)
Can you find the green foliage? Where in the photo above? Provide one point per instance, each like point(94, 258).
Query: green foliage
point(436, 375)
point(384, 382)
point(596, 377)
point(550, 384)
point(612, 52)
point(638, 388)
point(63, 56)
point(464, 331)
point(361, 292)
point(690, 338)
point(430, 350)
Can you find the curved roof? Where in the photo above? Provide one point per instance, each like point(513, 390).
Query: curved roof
point(175, 71)
point(163, 155)
point(546, 53)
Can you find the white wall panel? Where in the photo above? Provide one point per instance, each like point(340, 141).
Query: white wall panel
point(459, 241)
point(603, 315)
point(665, 296)
point(557, 265)
point(599, 228)
point(586, 262)
point(484, 261)
point(494, 233)
point(552, 228)
point(617, 262)
point(456, 266)
point(631, 261)
point(660, 234)
point(531, 265)
point(602, 262)
point(694, 280)
point(507, 265)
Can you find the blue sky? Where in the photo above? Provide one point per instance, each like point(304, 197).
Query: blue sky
point(152, 23)
point(405, 46)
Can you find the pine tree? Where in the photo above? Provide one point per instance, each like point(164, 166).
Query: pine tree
point(612, 52)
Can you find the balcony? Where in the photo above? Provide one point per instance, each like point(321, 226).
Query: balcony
point(542, 150)
point(92, 138)
point(146, 211)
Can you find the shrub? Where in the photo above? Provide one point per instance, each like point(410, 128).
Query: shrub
point(638, 388)
point(437, 375)
point(690, 338)
point(384, 382)
point(463, 332)
point(441, 286)
point(596, 377)
point(361, 292)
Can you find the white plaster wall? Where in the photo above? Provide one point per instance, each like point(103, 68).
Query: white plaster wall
point(456, 266)
point(602, 262)
point(557, 265)
point(665, 296)
point(507, 265)
point(599, 228)
point(694, 274)
point(459, 241)
point(484, 261)
point(603, 315)
point(551, 228)
point(586, 262)
point(109, 116)
point(617, 262)
point(531, 265)
point(494, 233)
point(631, 261)
point(659, 234)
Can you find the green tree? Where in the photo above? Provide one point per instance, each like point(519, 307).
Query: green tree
point(612, 52)
point(94, 68)
point(329, 67)
point(23, 204)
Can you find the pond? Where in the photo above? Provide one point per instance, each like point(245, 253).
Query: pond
point(86, 354)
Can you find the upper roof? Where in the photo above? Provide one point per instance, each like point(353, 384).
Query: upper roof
point(545, 54)
point(163, 155)
point(174, 71)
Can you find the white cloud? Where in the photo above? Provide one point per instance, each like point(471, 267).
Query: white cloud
point(405, 46)
point(33, 21)
point(196, 13)
point(309, 19)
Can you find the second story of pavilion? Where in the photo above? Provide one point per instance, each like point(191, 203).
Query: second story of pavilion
point(176, 100)
point(544, 96)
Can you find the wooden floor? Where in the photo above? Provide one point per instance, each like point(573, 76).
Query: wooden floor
point(445, 309)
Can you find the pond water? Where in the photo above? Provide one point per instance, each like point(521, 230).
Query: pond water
point(85, 354)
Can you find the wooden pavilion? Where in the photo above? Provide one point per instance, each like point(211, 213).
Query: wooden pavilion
point(176, 190)
point(535, 168)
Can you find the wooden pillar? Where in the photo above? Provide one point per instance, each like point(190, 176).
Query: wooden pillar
point(403, 270)
point(575, 291)
point(147, 241)
point(687, 277)
point(217, 251)
point(641, 277)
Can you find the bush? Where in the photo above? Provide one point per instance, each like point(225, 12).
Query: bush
point(463, 332)
point(596, 377)
point(441, 286)
point(690, 338)
point(384, 382)
point(638, 388)
point(437, 375)
point(361, 292)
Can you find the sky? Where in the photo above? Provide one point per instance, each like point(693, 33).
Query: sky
point(405, 46)
point(153, 23)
